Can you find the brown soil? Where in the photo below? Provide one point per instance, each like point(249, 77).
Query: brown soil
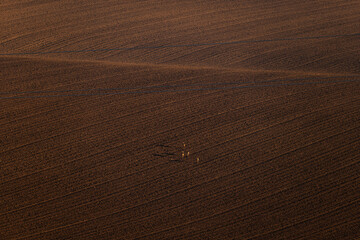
point(238, 141)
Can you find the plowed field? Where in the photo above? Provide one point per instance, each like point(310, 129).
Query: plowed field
point(179, 120)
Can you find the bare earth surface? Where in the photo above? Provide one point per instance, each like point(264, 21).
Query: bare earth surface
point(150, 120)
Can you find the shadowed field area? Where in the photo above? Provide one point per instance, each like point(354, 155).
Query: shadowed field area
point(179, 132)
point(42, 26)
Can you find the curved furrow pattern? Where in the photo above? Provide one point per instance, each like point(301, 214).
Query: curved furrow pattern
point(179, 119)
